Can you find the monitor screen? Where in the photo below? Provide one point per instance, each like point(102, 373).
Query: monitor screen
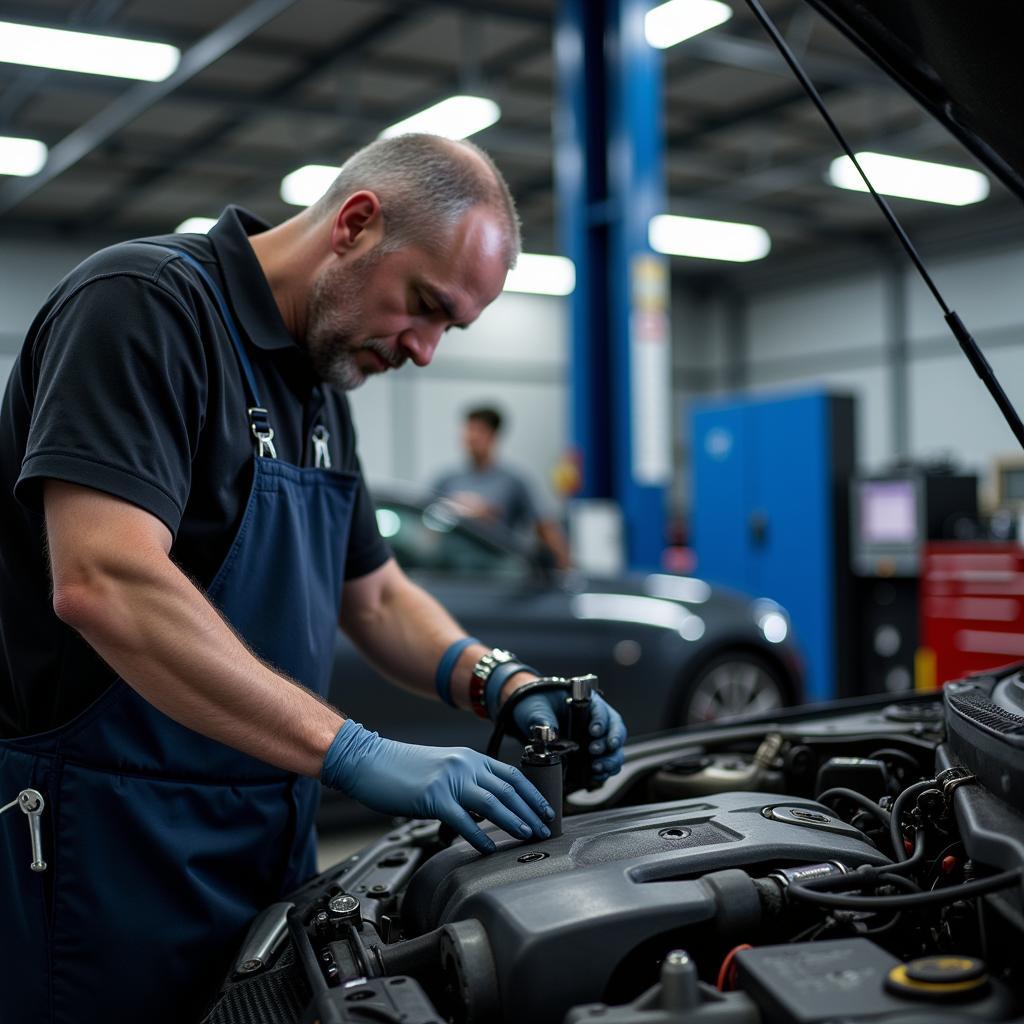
point(888, 512)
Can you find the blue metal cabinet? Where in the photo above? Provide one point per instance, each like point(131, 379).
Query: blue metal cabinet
point(769, 516)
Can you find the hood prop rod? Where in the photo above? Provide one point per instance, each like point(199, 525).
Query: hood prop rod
point(968, 345)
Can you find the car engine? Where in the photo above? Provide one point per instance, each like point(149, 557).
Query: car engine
point(857, 862)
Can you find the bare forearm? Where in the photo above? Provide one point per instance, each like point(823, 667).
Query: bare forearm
point(554, 538)
point(400, 628)
point(404, 631)
point(162, 636)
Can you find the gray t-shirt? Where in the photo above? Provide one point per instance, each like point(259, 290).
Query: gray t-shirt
point(501, 489)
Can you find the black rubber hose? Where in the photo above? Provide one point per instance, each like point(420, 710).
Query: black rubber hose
point(915, 858)
point(505, 712)
point(896, 755)
point(863, 802)
point(908, 901)
point(418, 956)
point(895, 825)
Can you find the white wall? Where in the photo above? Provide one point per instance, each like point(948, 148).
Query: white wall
point(28, 272)
point(836, 332)
point(823, 331)
point(514, 357)
point(408, 422)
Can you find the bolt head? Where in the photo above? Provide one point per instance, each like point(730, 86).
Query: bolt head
point(343, 904)
point(542, 733)
point(248, 966)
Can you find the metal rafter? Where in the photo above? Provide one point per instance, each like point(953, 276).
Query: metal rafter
point(92, 14)
point(350, 43)
point(365, 128)
point(140, 98)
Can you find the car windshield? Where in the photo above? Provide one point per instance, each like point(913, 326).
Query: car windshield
point(430, 539)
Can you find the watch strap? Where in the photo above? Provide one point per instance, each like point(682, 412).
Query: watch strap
point(443, 675)
point(498, 678)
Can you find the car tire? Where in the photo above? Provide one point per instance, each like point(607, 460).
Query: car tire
point(733, 684)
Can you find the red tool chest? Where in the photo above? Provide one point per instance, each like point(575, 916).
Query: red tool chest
point(972, 609)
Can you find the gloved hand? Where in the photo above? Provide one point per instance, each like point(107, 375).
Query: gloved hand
point(435, 782)
point(607, 730)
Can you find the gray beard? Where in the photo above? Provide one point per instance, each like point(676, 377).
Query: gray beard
point(335, 362)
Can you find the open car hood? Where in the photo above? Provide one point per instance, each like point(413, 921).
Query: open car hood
point(961, 61)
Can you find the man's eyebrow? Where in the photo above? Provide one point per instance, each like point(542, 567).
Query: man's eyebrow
point(441, 299)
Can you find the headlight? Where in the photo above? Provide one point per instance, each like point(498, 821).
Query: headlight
point(771, 620)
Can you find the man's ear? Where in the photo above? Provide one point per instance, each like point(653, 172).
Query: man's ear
point(358, 222)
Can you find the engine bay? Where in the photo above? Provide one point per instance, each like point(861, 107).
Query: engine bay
point(857, 862)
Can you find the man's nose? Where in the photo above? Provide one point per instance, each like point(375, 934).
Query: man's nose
point(420, 342)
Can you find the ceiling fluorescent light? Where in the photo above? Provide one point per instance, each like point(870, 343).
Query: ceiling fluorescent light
point(23, 157)
point(306, 185)
point(911, 179)
point(671, 23)
point(542, 275)
point(708, 239)
point(195, 225)
point(454, 118)
point(83, 51)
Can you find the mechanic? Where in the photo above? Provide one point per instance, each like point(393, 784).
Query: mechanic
point(181, 505)
point(490, 492)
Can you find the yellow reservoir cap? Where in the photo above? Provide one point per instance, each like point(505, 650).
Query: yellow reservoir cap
point(938, 977)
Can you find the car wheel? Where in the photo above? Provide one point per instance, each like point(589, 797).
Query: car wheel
point(735, 684)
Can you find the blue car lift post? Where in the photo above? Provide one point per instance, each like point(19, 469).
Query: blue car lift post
point(609, 171)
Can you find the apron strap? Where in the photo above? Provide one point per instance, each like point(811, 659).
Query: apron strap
point(259, 418)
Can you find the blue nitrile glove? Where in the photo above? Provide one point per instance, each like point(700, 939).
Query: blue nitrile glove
point(435, 782)
point(607, 730)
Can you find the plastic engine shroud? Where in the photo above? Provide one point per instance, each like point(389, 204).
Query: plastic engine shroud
point(561, 914)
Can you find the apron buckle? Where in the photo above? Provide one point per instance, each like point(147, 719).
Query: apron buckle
point(321, 452)
point(259, 424)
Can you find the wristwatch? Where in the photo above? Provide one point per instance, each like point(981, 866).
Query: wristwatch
point(481, 673)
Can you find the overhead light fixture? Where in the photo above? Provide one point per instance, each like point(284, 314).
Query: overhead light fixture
point(457, 117)
point(708, 239)
point(911, 179)
point(671, 23)
point(23, 157)
point(92, 54)
point(542, 275)
point(195, 225)
point(306, 185)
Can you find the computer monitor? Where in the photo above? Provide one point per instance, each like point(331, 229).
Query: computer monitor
point(888, 524)
point(889, 512)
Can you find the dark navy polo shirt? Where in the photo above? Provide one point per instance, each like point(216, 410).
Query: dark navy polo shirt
point(128, 383)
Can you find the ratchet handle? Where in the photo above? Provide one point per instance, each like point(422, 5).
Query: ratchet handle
point(580, 703)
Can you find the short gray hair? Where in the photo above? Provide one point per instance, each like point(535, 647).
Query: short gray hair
point(425, 185)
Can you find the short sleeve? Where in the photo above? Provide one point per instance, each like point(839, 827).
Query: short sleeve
point(367, 550)
point(120, 385)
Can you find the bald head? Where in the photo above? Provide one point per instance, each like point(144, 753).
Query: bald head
point(426, 185)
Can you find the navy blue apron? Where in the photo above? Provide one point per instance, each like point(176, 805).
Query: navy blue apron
point(162, 844)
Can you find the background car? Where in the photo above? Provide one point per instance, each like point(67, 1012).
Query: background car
point(667, 650)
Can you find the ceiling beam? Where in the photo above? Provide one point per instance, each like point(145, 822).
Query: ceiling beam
point(352, 42)
point(746, 187)
point(140, 98)
point(754, 55)
point(29, 80)
point(358, 130)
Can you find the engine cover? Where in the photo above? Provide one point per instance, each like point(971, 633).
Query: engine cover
point(550, 908)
